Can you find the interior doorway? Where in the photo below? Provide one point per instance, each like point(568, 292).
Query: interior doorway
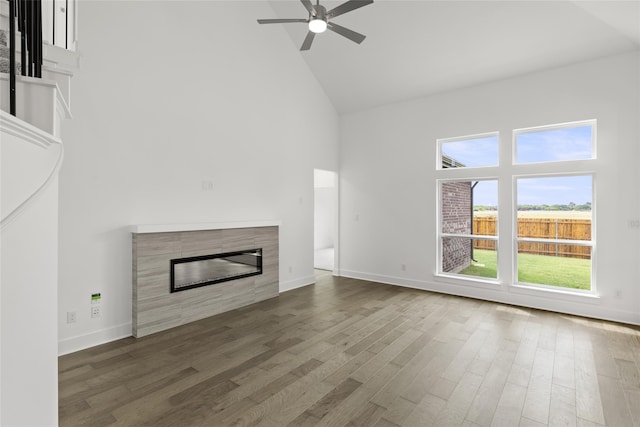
point(325, 219)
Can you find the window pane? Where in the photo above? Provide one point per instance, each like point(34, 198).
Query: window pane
point(553, 145)
point(469, 207)
point(482, 151)
point(536, 267)
point(469, 257)
point(555, 207)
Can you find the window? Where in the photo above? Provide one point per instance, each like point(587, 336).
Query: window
point(553, 236)
point(573, 141)
point(468, 151)
point(550, 185)
point(468, 228)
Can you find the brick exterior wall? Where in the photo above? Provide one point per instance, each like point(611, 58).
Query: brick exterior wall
point(456, 218)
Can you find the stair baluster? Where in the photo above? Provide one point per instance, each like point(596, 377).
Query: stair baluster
point(28, 14)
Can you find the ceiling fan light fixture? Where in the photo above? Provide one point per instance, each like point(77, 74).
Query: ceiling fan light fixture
point(318, 25)
point(318, 20)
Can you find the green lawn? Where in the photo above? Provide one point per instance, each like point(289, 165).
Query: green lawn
point(537, 269)
point(486, 265)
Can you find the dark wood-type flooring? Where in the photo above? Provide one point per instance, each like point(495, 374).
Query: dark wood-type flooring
point(351, 352)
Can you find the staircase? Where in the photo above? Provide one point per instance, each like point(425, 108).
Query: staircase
point(31, 145)
point(31, 154)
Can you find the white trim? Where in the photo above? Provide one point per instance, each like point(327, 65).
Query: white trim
point(554, 241)
point(297, 283)
point(586, 307)
point(60, 101)
point(469, 236)
point(387, 280)
point(440, 141)
point(568, 125)
point(169, 228)
point(541, 287)
point(26, 131)
point(440, 235)
point(92, 339)
point(62, 105)
point(66, 59)
point(31, 134)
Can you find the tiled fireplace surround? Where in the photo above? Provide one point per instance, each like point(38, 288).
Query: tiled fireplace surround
point(155, 308)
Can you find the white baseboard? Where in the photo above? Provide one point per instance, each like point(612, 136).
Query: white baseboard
point(81, 342)
point(389, 280)
point(596, 311)
point(297, 283)
point(584, 309)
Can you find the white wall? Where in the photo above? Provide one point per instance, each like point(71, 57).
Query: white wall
point(388, 188)
point(324, 209)
point(28, 337)
point(168, 95)
point(324, 214)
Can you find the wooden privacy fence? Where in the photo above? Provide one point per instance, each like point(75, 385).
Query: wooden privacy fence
point(541, 228)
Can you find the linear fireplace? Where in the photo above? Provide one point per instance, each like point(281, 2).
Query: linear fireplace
point(194, 272)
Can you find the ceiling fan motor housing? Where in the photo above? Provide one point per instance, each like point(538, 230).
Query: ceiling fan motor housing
point(319, 12)
point(318, 19)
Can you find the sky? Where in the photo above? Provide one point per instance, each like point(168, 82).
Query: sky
point(554, 145)
point(549, 145)
point(561, 190)
point(473, 152)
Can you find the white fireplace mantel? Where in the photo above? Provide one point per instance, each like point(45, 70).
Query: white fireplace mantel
point(199, 226)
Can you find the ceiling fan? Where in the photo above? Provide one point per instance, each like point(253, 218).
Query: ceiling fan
point(319, 17)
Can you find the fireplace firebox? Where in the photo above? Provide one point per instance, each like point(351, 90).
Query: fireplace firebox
point(195, 272)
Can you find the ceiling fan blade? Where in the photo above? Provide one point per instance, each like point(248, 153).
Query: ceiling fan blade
point(279, 21)
point(347, 7)
point(306, 45)
point(345, 32)
point(309, 6)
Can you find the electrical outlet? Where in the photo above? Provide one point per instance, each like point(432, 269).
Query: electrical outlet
point(71, 317)
point(95, 311)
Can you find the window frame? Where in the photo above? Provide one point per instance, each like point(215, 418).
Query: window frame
point(516, 239)
point(542, 128)
point(441, 141)
point(440, 235)
point(506, 174)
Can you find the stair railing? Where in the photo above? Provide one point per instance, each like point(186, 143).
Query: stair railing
point(61, 38)
point(28, 14)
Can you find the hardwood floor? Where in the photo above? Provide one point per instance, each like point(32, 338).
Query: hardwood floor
point(357, 353)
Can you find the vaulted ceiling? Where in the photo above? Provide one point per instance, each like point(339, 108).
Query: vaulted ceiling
point(421, 47)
